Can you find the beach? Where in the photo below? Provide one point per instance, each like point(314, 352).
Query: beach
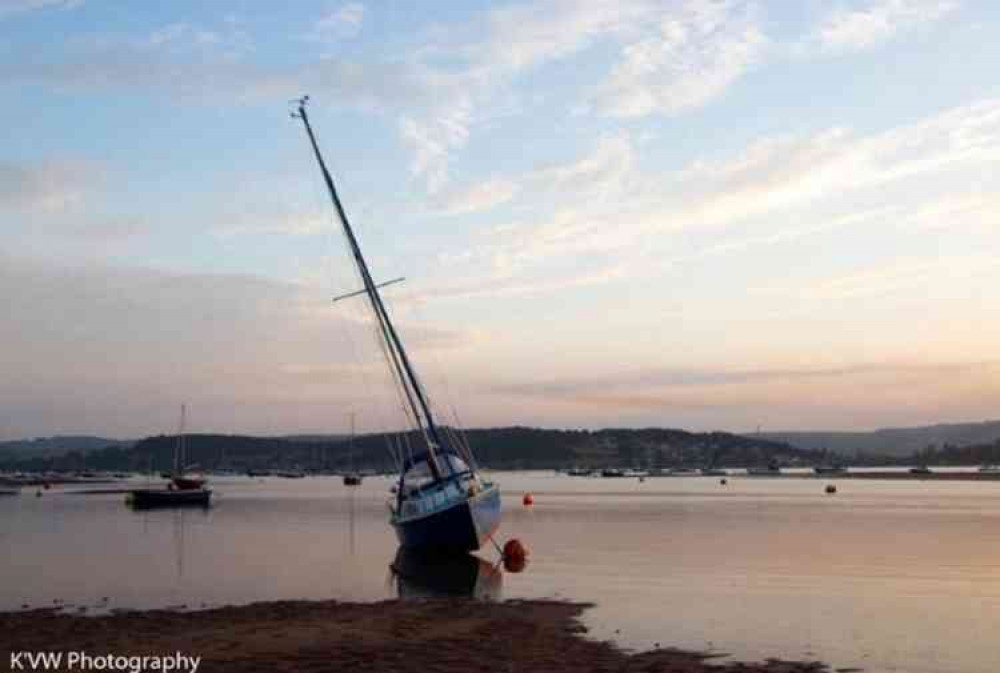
point(444, 635)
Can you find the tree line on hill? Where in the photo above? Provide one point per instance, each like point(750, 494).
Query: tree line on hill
point(497, 448)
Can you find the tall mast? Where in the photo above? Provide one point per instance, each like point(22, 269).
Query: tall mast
point(179, 457)
point(415, 396)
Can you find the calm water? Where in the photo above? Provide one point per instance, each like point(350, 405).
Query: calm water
point(888, 576)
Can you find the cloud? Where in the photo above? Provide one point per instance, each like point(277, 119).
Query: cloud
point(286, 223)
point(898, 276)
point(774, 191)
point(238, 348)
point(894, 392)
point(432, 141)
point(480, 197)
point(342, 23)
point(877, 22)
point(49, 186)
point(187, 63)
point(686, 378)
point(694, 55)
point(530, 34)
point(10, 7)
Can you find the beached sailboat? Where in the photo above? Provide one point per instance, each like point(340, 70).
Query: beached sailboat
point(440, 502)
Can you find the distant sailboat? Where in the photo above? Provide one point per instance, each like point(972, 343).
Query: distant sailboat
point(180, 479)
point(440, 501)
point(182, 490)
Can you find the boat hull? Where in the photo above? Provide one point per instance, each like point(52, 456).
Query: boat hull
point(150, 498)
point(462, 527)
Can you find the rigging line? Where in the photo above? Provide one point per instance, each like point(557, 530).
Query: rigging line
point(385, 326)
point(465, 438)
point(397, 350)
point(414, 305)
point(359, 371)
point(362, 318)
point(397, 384)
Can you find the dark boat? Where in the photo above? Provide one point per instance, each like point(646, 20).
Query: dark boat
point(352, 480)
point(441, 502)
point(922, 469)
point(435, 576)
point(148, 498)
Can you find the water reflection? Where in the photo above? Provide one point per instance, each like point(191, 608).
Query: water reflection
point(417, 575)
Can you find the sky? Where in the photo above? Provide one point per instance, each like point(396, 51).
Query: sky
point(712, 215)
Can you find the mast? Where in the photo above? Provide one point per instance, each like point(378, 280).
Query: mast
point(179, 457)
point(350, 446)
point(415, 396)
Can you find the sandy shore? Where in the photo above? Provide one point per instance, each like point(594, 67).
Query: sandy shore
point(439, 635)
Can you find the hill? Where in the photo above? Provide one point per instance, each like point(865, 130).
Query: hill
point(54, 446)
point(891, 441)
point(501, 448)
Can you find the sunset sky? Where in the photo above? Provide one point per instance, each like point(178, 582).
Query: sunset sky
point(705, 215)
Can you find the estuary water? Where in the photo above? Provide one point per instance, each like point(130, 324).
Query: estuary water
point(899, 576)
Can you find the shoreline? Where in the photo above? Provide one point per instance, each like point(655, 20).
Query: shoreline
point(437, 634)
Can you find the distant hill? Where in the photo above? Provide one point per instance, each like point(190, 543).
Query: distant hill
point(507, 448)
point(54, 446)
point(892, 441)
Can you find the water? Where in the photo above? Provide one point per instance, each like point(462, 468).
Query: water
point(886, 575)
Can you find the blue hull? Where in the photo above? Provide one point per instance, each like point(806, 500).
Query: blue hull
point(463, 527)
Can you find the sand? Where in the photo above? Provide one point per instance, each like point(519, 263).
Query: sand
point(427, 636)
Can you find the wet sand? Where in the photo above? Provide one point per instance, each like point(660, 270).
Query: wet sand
point(437, 635)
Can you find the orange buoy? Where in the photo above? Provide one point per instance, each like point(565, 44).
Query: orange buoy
point(528, 500)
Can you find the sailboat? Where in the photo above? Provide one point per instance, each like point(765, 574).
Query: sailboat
point(182, 490)
point(441, 503)
point(180, 479)
point(352, 478)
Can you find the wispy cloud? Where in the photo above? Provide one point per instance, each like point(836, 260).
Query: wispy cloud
point(46, 186)
point(699, 50)
point(9, 7)
point(772, 192)
point(433, 139)
point(237, 347)
point(875, 22)
point(480, 197)
point(343, 23)
point(694, 54)
point(900, 276)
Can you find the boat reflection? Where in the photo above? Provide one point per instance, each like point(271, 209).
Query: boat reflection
point(418, 575)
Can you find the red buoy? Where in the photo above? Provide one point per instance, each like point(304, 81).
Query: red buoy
point(528, 500)
point(515, 556)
